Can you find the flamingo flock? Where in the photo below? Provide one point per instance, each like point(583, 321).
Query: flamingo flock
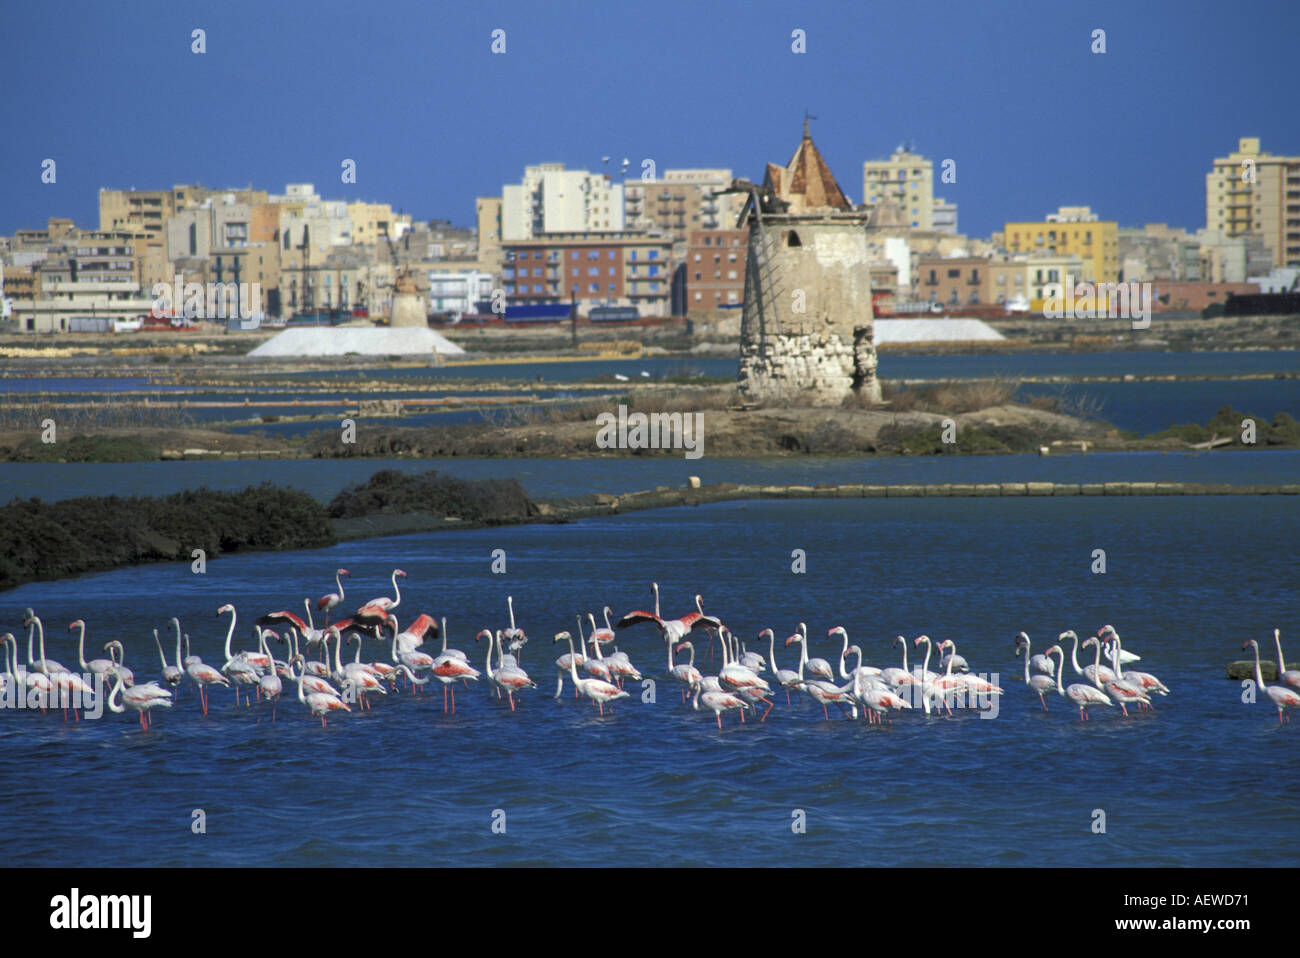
point(313, 667)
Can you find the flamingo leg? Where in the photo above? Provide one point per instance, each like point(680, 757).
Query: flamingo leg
point(511, 697)
point(770, 703)
point(718, 715)
point(826, 713)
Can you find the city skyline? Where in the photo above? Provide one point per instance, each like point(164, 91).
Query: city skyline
point(571, 87)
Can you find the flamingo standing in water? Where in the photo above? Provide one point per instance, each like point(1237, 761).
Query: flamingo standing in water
point(1042, 664)
point(877, 700)
point(450, 667)
point(406, 653)
point(320, 703)
point(507, 678)
point(1122, 692)
point(328, 603)
point(719, 702)
point(45, 665)
point(1145, 681)
point(376, 608)
point(1084, 696)
point(895, 676)
point(1282, 697)
point(94, 666)
point(171, 674)
point(514, 636)
point(786, 678)
point(141, 698)
point(819, 690)
point(1039, 683)
point(686, 673)
point(1097, 674)
point(203, 676)
point(1288, 677)
point(598, 690)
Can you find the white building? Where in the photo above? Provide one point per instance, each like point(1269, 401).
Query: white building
point(945, 216)
point(458, 292)
point(552, 199)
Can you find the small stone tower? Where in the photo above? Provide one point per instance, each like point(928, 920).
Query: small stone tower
point(806, 332)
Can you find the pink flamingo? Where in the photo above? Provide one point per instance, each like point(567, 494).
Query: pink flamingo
point(508, 678)
point(671, 630)
point(377, 607)
point(720, 702)
point(330, 602)
point(598, 690)
point(1288, 677)
point(1084, 696)
point(686, 673)
point(1039, 683)
point(320, 703)
point(141, 698)
point(1282, 697)
point(1119, 690)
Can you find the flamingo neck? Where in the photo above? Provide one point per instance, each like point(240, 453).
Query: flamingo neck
point(230, 632)
point(1281, 663)
point(81, 649)
point(573, 663)
point(311, 623)
point(178, 642)
point(339, 582)
point(1027, 662)
point(1259, 673)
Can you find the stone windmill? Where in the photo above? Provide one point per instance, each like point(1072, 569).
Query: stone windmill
point(806, 332)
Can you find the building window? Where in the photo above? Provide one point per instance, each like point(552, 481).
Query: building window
point(697, 257)
point(792, 239)
point(654, 254)
point(594, 288)
point(594, 271)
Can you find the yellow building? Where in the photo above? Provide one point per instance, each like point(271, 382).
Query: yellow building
point(1071, 231)
point(372, 222)
point(1250, 191)
point(907, 179)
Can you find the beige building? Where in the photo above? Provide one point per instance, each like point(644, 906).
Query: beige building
point(372, 222)
point(1071, 231)
point(906, 179)
point(488, 214)
point(682, 202)
point(1251, 191)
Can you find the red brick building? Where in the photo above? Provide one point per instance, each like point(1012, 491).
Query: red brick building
point(715, 269)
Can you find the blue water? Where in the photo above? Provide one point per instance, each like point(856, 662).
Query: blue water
point(1194, 783)
point(1142, 407)
point(618, 473)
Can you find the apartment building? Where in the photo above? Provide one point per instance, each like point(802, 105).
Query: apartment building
point(594, 268)
point(1250, 191)
point(907, 180)
point(552, 199)
point(1071, 231)
point(681, 202)
point(715, 269)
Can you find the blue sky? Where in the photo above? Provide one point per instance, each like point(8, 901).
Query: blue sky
point(412, 93)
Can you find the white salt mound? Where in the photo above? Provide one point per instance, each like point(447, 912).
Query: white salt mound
point(934, 331)
point(363, 341)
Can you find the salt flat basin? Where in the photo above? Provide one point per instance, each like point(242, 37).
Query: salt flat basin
point(934, 331)
point(342, 340)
